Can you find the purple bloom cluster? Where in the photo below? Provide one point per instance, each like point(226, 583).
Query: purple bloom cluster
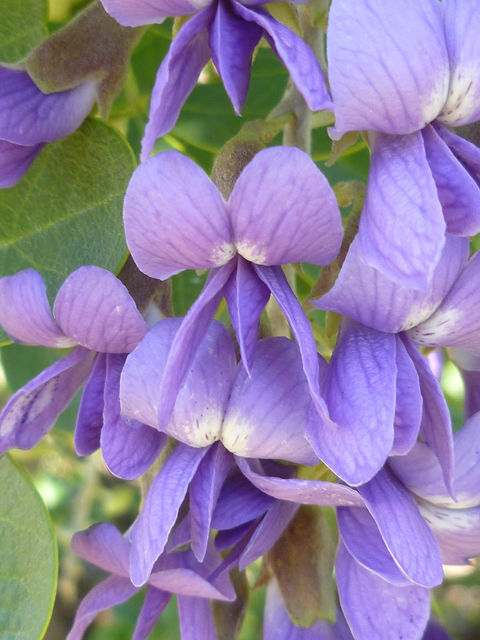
point(247, 432)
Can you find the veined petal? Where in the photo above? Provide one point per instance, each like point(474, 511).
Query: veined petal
point(467, 153)
point(29, 117)
point(388, 64)
point(204, 491)
point(360, 392)
point(406, 534)
point(246, 296)
point(298, 58)
point(456, 322)
point(175, 217)
point(25, 313)
point(15, 160)
point(112, 591)
point(301, 491)
point(233, 41)
point(402, 229)
point(266, 412)
point(104, 546)
point(268, 531)
point(128, 448)
point(458, 192)
point(178, 74)
point(409, 402)
point(195, 614)
point(89, 423)
point(155, 602)
point(276, 281)
point(164, 498)
point(462, 23)
point(456, 530)
point(95, 309)
point(364, 541)
point(366, 295)
point(33, 410)
point(436, 425)
point(376, 609)
point(283, 210)
point(147, 12)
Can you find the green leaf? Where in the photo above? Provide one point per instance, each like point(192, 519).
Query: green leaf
point(28, 570)
point(22, 27)
point(67, 211)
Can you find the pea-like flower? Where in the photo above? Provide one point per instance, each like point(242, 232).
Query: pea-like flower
point(226, 31)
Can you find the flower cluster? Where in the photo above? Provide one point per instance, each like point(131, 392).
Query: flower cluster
point(252, 429)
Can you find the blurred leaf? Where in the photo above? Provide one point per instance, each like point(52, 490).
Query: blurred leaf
point(186, 288)
point(28, 570)
point(22, 27)
point(67, 211)
point(21, 364)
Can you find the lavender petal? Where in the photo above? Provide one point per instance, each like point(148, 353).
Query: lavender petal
point(104, 546)
point(155, 602)
point(90, 413)
point(15, 161)
point(408, 404)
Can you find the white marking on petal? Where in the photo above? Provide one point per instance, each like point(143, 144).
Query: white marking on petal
point(222, 254)
point(461, 101)
point(438, 326)
point(204, 431)
point(251, 252)
point(235, 434)
point(433, 104)
point(200, 4)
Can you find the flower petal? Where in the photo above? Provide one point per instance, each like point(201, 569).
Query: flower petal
point(128, 449)
point(155, 602)
point(409, 402)
point(204, 491)
point(301, 491)
point(110, 592)
point(266, 411)
point(366, 295)
point(364, 542)
point(25, 312)
point(402, 229)
point(298, 58)
point(164, 498)
point(178, 74)
point(95, 309)
point(388, 64)
point(175, 217)
point(360, 392)
point(283, 210)
point(436, 426)
point(268, 531)
point(104, 546)
point(406, 534)
point(462, 23)
point(376, 609)
point(15, 160)
point(147, 12)
point(33, 410)
point(456, 322)
point(195, 614)
point(233, 41)
point(456, 530)
point(246, 296)
point(29, 117)
point(90, 413)
point(435, 631)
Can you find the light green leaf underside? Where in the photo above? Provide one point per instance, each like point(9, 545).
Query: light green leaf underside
point(28, 552)
point(22, 27)
point(67, 210)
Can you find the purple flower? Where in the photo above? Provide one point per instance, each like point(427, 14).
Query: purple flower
point(281, 210)
point(95, 314)
point(228, 32)
point(175, 573)
point(221, 410)
point(30, 118)
point(402, 71)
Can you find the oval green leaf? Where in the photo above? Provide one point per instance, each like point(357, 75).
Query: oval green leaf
point(28, 552)
point(66, 211)
point(22, 27)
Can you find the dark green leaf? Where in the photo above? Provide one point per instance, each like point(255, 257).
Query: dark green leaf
point(67, 211)
point(22, 27)
point(28, 569)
